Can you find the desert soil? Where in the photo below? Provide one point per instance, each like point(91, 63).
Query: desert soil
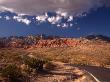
point(64, 73)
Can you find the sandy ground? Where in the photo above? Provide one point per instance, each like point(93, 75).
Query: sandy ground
point(63, 73)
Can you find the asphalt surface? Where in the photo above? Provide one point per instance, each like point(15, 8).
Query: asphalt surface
point(102, 74)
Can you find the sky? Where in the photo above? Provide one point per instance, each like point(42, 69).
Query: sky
point(67, 18)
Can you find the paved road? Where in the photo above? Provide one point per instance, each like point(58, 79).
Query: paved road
point(102, 74)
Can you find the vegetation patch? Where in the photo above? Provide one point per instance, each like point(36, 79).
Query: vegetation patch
point(11, 72)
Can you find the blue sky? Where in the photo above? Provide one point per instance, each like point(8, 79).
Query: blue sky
point(95, 22)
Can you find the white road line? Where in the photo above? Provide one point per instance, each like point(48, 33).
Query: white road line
point(92, 76)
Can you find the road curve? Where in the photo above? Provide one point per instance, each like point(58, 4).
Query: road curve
point(102, 74)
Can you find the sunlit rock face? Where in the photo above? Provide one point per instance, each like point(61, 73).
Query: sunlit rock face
point(40, 42)
point(28, 42)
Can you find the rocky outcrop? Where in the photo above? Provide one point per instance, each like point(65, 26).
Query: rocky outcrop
point(62, 42)
point(57, 43)
point(34, 42)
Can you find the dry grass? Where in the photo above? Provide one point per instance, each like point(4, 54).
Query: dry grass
point(95, 55)
point(8, 56)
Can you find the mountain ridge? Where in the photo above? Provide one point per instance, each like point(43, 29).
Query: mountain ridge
point(50, 41)
point(98, 37)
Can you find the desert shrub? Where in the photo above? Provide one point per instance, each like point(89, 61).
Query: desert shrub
point(26, 70)
point(35, 63)
point(12, 72)
point(50, 66)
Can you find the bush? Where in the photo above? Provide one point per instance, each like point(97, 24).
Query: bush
point(50, 66)
point(12, 72)
point(35, 63)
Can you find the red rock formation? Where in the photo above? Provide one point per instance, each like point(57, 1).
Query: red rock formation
point(57, 43)
point(31, 42)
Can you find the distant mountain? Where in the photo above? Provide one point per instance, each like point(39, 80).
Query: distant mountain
point(49, 41)
point(21, 41)
point(98, 37)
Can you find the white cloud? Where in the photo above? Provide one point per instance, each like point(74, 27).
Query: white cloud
point(64, 25)
point(0, 17)
point(54, 19)
point(64, 9)
point(58, 18)
point(58, 25)
point(7, 17)
point(62, 13)
point(70, 18)
point(21, 19)
point(42, 18)
point(51, 20)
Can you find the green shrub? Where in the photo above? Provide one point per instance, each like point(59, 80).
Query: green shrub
point(11, 72)
point(35, 63)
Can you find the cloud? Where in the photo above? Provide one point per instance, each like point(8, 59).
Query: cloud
point(7, 17)
point(2, 8)
point(62, 13)
point(40, 6)
point(57, 20)
point(64, 25)
point(70, 18)
point(42, 18)
point(64, 9)
point(0, 17)
point(54, 19)
point(19, 18)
